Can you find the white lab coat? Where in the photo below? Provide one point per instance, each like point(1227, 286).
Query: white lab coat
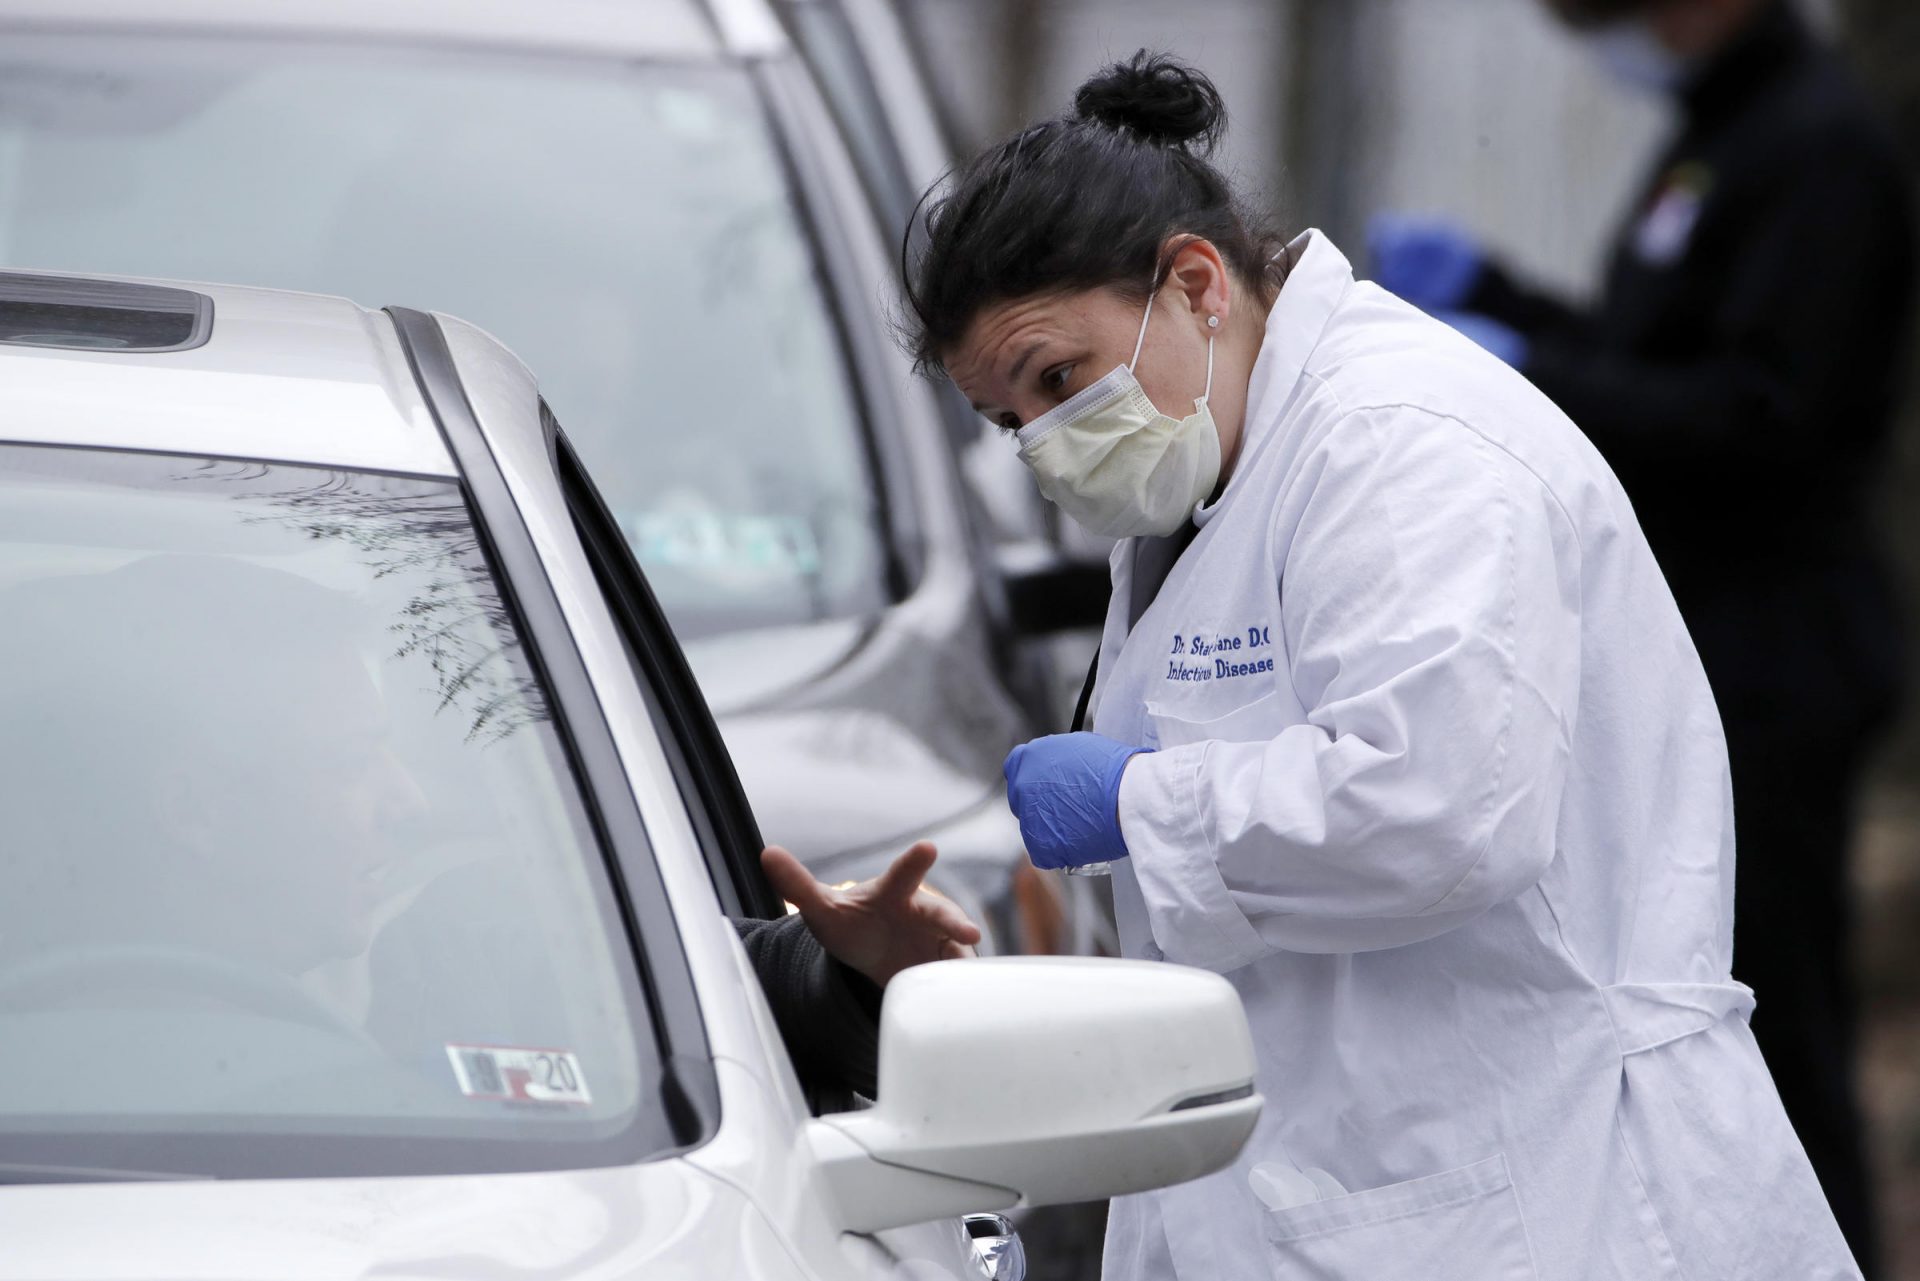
point(1441, 789)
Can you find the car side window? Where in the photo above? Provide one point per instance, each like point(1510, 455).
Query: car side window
point(305, 870)
point(722, 818)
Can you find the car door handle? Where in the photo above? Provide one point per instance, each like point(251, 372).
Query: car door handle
point(996, 1247)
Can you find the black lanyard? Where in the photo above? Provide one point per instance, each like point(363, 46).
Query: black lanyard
point(1153, 562)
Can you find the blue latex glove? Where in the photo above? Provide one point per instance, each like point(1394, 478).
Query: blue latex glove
point(1502, 340)
point(1432, 264)
point(1065, 790)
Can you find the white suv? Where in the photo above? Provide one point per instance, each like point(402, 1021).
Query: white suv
point(368, 855)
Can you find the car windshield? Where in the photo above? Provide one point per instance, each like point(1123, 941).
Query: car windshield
point(628, 228)
point(298, 879)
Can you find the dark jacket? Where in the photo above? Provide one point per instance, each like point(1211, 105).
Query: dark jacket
point(829, 1015)
point(1742, 367)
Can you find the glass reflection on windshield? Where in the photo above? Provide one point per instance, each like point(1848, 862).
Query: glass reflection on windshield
point(289, 834)
point(628, 229)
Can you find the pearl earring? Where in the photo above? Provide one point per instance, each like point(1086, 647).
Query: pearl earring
point(1213, 322)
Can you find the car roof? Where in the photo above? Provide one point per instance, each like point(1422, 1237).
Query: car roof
point(673, 29)
point(281, 376)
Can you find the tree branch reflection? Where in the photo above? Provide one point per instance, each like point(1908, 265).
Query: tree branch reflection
point(455, 622)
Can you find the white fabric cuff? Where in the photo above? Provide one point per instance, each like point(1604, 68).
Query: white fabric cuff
point(1189, 907)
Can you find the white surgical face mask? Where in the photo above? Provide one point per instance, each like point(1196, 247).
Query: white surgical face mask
point(1115, 463)
point(1634, 56)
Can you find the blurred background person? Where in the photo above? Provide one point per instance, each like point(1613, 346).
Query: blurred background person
point(1740, 371)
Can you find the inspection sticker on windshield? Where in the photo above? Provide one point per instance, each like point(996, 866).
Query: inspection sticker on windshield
point(515, 1075)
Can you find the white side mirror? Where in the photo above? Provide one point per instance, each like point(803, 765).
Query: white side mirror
point(1039, 1081)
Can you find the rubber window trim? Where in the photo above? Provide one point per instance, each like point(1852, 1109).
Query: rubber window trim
point(690, 1088)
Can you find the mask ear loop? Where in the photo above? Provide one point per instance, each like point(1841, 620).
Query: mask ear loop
point(1213, 326)
point(1141, 340)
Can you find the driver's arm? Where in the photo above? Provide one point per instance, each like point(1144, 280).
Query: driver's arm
point(828, 1013)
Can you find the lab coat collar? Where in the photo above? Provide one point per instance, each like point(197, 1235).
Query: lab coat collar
point(1318, 277)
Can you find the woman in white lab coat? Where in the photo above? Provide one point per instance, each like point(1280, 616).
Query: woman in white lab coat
point(1396, 726)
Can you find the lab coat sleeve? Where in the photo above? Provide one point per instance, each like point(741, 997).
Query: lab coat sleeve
point(1430, 605)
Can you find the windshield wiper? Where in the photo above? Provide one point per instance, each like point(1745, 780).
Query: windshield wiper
point(14, 1172)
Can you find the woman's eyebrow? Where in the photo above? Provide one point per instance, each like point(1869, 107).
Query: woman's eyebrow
point(1020, 362)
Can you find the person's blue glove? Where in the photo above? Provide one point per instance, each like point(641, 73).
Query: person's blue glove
point(1065, 790)
point(1503, 341)
point(1432, 264)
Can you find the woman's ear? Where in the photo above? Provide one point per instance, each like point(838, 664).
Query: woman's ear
point(1197, 273)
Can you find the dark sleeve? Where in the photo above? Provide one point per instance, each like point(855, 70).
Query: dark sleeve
point(1533, 312)
point(1801, 348)
point(829, 1015)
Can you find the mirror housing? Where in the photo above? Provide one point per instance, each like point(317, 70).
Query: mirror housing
point(1037, 1081)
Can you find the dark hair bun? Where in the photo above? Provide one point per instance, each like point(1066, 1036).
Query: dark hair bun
point(1156, 97)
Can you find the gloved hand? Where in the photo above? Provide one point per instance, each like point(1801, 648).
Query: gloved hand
point(1432, 264)
point(1065, 790)
point(1502, 340)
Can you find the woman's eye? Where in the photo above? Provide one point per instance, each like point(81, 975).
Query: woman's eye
point(1055, 379)
point(1007, 422)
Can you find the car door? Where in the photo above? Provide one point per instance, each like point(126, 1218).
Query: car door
point(731, 842)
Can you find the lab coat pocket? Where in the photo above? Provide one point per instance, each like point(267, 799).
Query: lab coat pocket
point(1463, 1225)
point(1251, 722)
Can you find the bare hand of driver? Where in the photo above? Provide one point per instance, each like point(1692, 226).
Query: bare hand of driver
point(878, 927)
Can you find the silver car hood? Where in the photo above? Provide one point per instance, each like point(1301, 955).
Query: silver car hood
point(827, 781)
point(739, 671)
point(851, 736)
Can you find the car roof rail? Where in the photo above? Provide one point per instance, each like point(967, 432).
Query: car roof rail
point(82, 313)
